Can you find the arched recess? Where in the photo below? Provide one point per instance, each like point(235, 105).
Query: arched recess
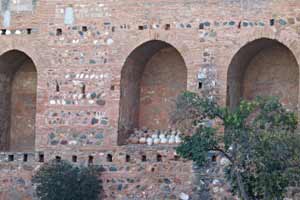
point(263, 67)
point(18, 87)
point(153, 75)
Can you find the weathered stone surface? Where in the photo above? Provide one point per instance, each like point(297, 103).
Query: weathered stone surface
point(66, 66)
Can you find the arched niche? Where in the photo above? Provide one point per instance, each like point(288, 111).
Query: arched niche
point(18, 86)
point(153, 75)
point(263, 67)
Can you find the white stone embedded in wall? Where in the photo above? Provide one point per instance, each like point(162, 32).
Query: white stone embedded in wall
point(184, 196)
point(69, 16)
point(21, 5)
point(6, 18)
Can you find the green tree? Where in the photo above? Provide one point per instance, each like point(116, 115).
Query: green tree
point(64, 181)
point(259, 141)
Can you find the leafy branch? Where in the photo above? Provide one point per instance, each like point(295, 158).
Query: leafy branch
point(258, 138)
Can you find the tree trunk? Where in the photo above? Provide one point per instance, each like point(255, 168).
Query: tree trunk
point(266, 195)
point(241, 186)
point(235, 171)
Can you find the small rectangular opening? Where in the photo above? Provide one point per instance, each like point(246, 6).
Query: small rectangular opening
point(11, 158)
point(58, 32)
point(141, 27)
point(3, 31)
point(91, 160)
point(109, 158)
point(144, 158)
point(239, 25)
point(25, 157)
point(29, 31)
point(113, 29)
point(176, 158)
point(272, 22)
point(41, 158)
point(167, 27)
point(201, 26)
point(158, 158)
point(214, 158)
point(74, 159)
point(57, 87)
point(83, 88)
point(112, 87)
point(200, 85)
point(127, 158)
point(58, 158)
point(84, 29)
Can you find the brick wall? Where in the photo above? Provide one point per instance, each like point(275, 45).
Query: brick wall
point(87, 53)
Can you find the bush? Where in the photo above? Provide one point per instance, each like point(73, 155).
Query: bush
point(64, 181)
point(259, 141)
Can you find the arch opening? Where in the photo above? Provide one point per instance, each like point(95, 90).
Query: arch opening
point(153, 75)
point(18, 86)
point(263, 67)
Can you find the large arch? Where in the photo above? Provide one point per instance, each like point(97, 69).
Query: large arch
point(18, 88)
point(263, 67)
point(153, 75)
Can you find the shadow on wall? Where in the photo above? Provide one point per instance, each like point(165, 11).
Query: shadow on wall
point(18, 85)
point(263, 67)
point(153, 75)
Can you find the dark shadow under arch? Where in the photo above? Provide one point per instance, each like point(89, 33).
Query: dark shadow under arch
point(18, 86)
point(263, 67)
point(151, 78)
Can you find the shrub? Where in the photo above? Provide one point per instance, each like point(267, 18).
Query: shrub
point(60, 180)
point(259, 141)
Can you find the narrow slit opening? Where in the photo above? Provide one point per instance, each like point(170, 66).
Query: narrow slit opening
point(214, 158)
point(84, 29)
point(167, 27)
point(200, 85)
point(74, 159)
point(109, 158)
point(91, 160)
point(41, 158)
point(127, 158)
point(25, 157)
point(239, 25)
point(83, 88)
point(201, 26)
point(11, 158)
point(112, 88)
point(29, 31)
point(57, 87)
point(58, 158)
point(3, 31)
point(58, 32)
point(158, 158)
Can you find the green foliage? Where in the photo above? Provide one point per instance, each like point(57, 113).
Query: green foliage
point(259, 141)
point(63, 181)
point(195, 148)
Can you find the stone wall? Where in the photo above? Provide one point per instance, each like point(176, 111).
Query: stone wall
point(23, 103)
point(274, 71)
point(163, 79)
point(152, 77)
point(18, 102)
point(89, 54)
point(264, 68)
